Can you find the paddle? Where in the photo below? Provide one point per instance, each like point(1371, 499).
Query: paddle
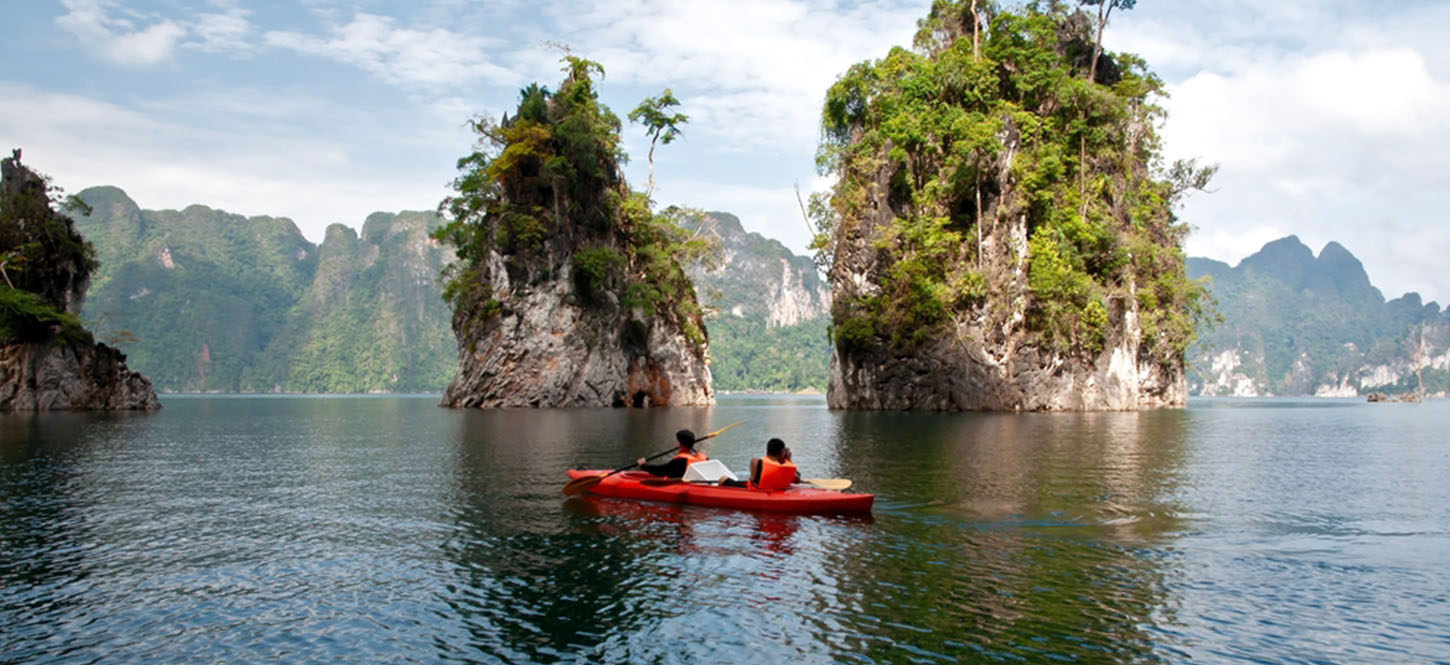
point(582, 484)
point(830, 483)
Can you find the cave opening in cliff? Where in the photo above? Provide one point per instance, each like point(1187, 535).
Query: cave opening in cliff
point(639, 400)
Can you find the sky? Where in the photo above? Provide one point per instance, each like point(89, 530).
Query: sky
point(1329, 119)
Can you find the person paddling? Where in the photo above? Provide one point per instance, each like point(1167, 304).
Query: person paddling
point(684, 457)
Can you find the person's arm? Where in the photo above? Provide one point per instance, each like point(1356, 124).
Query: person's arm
point(797, 469)
point(755, 466)
point(675, 468)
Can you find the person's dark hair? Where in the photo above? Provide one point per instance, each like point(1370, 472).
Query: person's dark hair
point(686, 438)
point(774, 447)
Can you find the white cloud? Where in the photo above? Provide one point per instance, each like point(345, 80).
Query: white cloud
point(148, 46)
point(115, 34)
point(225, 32)
point(751, 73)
point(1331, 127)
point(161, 163)
point(405, 57)
point(119, 39)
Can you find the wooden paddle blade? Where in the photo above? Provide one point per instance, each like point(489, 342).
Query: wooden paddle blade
point(718, 431)
point(582, 484)
point(829, 483)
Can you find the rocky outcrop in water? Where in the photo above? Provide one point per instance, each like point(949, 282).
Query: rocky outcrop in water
point(48, 362)
point(55, 376)
point(568, 291)
point(994, 247)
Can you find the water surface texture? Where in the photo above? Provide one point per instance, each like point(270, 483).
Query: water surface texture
point(325, 530)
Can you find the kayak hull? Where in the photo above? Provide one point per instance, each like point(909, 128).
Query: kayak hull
point(798, 499)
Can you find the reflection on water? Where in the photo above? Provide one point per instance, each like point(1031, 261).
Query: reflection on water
point(386, 529)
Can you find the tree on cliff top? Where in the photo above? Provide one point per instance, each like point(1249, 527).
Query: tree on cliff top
point(662, 128)
point(951, 143)
point(544, 187)
point(45, 263)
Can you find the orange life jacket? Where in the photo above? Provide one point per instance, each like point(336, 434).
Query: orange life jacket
point(775, 475)
point(691, 457)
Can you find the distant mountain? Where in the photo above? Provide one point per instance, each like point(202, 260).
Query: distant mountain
point(1297, 324)
point(204, 300)
point(771, 313)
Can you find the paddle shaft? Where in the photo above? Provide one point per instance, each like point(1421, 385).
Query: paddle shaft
point(583, 484)
point(666, 452)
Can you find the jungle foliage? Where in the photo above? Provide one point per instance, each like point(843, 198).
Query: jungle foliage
point(203, 300)
point(992, 119)
point(45, 263)
point(551, 173)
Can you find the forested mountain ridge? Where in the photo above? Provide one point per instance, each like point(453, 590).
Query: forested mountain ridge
point(1297, 324)
point(770, 312)
point(206, 300)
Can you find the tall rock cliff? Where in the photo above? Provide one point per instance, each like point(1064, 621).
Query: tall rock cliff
point(998, 239)
point(569, 290)
point(48, 361)
point(769, 312)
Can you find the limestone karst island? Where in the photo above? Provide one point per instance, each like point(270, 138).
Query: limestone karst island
point(48, 360)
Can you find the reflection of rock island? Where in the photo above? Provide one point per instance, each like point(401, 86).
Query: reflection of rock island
point(48, 361)
point(1024, 520)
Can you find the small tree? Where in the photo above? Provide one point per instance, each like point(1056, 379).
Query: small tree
point(661, 127)
point(1105, 9)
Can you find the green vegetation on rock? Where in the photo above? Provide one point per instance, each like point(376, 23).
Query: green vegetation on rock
point(553, 169)
point(45, 263)
point(962, 139)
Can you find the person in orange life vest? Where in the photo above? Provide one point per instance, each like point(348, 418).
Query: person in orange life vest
point(775, 471)
point(684, 457)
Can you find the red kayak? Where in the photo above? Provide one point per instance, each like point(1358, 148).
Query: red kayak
point(794, 499)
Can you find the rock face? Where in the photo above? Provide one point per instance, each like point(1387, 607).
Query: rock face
point(546, 350)
point(770, 312)
point(567, 292)
point(987, 256)
point(56, 377)
point(757, 277)
point(982, 368)
point(47, 361)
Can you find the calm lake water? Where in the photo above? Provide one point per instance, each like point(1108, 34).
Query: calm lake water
point(330, 530)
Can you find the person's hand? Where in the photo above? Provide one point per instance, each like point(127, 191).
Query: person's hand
point(640, 462)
